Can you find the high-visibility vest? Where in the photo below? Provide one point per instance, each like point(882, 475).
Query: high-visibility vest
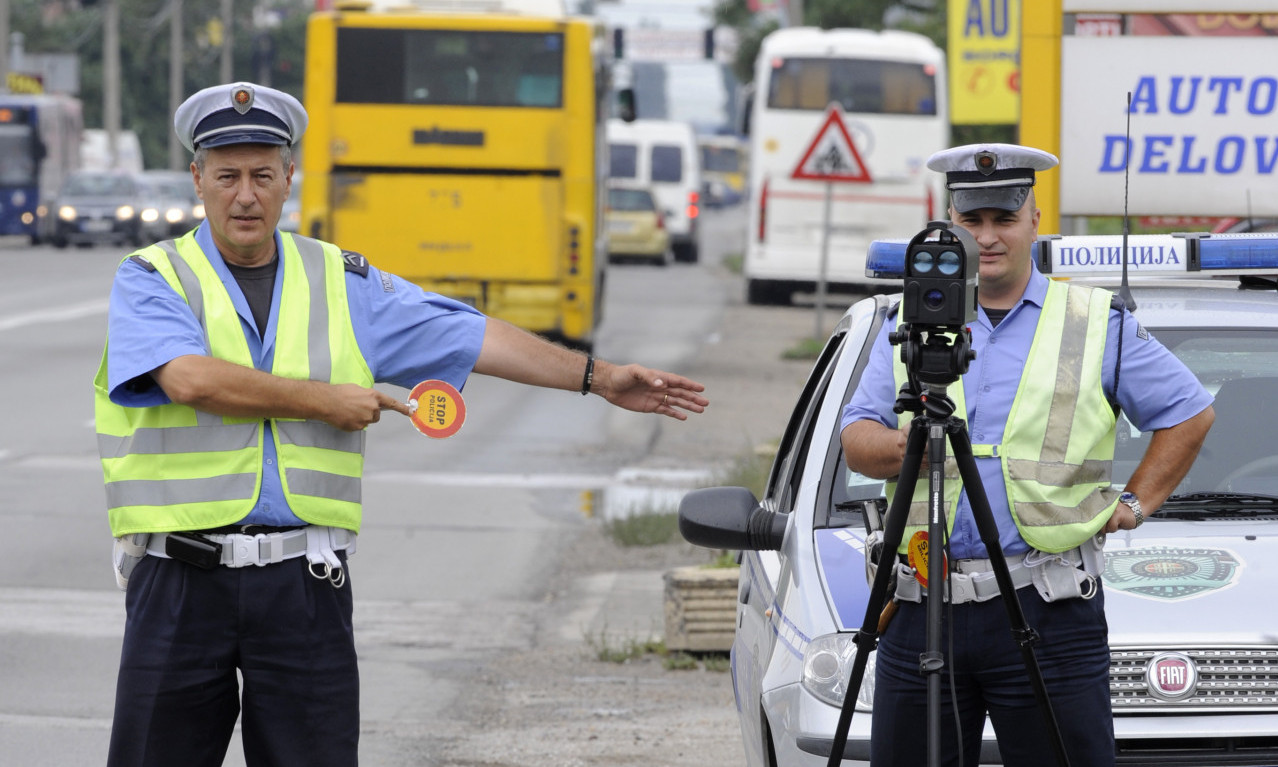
point(172, 467)
point(1058, 444)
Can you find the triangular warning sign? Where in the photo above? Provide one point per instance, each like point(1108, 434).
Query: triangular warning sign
point(832, 155)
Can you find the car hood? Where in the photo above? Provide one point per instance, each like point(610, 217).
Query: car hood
point(1172, 578)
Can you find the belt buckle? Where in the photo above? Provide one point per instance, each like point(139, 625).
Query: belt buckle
point(245, 549)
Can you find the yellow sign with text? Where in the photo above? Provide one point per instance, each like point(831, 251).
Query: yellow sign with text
point(985, 61)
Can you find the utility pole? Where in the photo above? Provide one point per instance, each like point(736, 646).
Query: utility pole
point(4, 46)
point(176, 56)
point(228, 27)
point(111, 79)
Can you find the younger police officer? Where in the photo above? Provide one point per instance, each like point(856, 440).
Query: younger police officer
point(231, 402)
point(1040, 401)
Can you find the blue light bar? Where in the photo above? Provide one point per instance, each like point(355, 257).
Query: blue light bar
point(1155, 255)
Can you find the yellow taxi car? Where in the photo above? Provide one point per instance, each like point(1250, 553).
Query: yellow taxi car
point(636, 228)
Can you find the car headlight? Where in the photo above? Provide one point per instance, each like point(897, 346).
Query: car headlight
point(66, 213)
point(827, 666)
point(174, 215)
point(198, 211)
point(150, 215)
point(124, 212)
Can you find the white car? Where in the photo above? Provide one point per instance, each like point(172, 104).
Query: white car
point(1194, 670)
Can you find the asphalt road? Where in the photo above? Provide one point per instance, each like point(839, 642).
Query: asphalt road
point(463, 538)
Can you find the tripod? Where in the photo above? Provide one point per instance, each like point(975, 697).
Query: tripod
point(933, 365)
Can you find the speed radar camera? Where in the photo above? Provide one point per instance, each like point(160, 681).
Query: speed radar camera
point(941, 264)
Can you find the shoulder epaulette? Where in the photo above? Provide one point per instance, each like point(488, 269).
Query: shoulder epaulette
point(355, 263)
point(142, 262)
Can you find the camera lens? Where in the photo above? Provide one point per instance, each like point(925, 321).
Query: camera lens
point(949, 263)
point(934, 299)
point(922, 263)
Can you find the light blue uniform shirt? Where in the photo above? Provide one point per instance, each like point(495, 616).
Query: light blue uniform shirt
point(1155, 391)
point(405, 334)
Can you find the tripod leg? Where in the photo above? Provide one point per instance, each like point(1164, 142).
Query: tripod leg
point(867, 636)
point(1024, 636)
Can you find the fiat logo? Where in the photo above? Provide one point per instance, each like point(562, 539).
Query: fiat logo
point(1171, 676)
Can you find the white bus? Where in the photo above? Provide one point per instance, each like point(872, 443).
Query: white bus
point(891, 88)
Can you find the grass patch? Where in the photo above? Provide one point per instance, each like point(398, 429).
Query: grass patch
point(805, 349)
point(643, 528)
point(749, 470)
point(734, 262)
point(619, 651)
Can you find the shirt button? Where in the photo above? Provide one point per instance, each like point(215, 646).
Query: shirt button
point(986, 389)
point(271, 461)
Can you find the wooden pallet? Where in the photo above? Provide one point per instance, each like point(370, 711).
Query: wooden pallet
point(701, 608)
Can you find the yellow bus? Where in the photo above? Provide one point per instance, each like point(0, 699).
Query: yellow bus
point(464, 151)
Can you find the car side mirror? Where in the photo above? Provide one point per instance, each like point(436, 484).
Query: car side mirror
point(729, 518)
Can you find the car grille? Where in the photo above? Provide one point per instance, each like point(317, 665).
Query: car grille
point(1227, 678)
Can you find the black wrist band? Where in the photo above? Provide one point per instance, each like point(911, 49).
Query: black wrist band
point(589, 377)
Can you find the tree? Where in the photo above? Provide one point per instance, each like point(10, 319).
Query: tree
point(144, 56)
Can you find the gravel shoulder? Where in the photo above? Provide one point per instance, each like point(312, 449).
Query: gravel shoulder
point(557, 703)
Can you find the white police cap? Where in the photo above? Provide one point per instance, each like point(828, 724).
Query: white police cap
point(990, 175)
point(239, 113)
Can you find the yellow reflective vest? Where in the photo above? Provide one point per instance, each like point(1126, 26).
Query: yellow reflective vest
point(1058, 445)
point(172, 467)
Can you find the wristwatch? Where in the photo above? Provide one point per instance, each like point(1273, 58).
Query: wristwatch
point(1134, 503)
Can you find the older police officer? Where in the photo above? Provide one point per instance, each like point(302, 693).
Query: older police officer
point(1040, 401)
point(231, 401)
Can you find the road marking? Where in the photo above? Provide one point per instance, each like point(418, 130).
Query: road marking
point(58, 314)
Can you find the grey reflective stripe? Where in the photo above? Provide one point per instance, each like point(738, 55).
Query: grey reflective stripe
point(190, 285)
point(180, 439)
point(1060, 474)
point(1069, 372)
point(323, 484)
point(1044, 514)
point(171, 492)
point(321, 361)
point(318, 434)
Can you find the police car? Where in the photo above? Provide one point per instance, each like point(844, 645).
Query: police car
point(1194, 670)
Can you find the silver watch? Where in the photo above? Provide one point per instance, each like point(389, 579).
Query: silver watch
point(1134, 503)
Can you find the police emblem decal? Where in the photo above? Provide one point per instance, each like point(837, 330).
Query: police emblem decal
point(242, 99)
point(1167, 573)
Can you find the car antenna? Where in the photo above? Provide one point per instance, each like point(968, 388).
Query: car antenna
point(1124, 290)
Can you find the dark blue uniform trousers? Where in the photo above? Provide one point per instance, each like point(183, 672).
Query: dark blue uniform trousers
point(990, 676)
point(187, 633)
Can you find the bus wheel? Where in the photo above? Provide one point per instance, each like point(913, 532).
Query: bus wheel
point(767, 293)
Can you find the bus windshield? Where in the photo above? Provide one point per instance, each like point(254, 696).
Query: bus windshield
point(858, 85)
point(17, 161)
point(449, 67)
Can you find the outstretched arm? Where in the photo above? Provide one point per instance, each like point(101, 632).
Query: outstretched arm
point(517, 355)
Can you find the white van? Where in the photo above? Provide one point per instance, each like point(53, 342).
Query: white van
point(662, 155)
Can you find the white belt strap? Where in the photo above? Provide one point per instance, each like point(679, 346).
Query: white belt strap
point(1066, 575)
point(317, 542)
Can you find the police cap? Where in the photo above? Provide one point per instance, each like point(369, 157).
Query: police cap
point(239, 113)
point(990, 175)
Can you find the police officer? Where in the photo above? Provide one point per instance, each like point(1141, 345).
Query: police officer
point(1040, 401)
point(230, 404)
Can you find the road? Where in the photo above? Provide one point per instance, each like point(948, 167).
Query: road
point(463, 539)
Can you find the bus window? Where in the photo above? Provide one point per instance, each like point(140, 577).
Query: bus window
point(859, 86)
point(623, 160)
point(667, 163)
point(17, 158)
point(452, 68)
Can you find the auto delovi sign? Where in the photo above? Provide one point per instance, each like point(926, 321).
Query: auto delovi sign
point(1203, 119)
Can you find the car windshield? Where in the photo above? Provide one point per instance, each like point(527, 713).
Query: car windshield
point(1239, 366)
point(99, 186)
point(630, 200)
point(1238, 460)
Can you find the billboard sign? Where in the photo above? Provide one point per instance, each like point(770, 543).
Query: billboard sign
point(1202, 116)
point(984, 61)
